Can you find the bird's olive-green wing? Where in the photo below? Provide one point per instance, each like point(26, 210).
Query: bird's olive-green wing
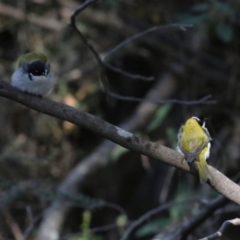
point(195, 150)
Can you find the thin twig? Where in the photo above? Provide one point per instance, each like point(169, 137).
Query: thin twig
point(223, 229)
point(174, 26)
point(81, 200)
point(151, 213)
point(103, 65)
point(75, 204)
point(16, 231)
point(182, 102)
point(32, 224)
point(92, 230)
point(183, 231)
point(74, 26)
point(129, 75)
point(91, 48)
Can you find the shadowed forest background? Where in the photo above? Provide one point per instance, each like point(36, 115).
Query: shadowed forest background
point(40, 155)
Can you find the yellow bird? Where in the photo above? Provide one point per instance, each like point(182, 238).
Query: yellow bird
point(194, 143)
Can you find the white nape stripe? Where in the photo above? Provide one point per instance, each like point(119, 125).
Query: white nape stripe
point(196, 118)
point(204, 122)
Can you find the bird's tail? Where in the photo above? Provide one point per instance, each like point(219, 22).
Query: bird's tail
point(203, 170)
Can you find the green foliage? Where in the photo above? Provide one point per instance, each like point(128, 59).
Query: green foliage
point(121, 222)
point(84, 200)
point(200, 7)
point(224, 8)
point(85, 228)
point(152, 227)
point(179, 210)
point(117, 152)
point(86, 222)
point(172, 136)
point(214, 16)
point(114, 3)
point(188, 18)
point(159, 117)
point(224, 31)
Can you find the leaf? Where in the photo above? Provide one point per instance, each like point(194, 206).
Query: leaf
point(201, 7)
point(224, 32)
point(118, 151)
point(225, 8)
point(151, 227)
point(85, 226)
point(193, 18)
point(122, 220)
point(172, 136)
point(114, 3)
point(158, 118)
point(178, 211)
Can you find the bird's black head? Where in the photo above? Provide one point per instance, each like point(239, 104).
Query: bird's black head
point(37, 68)
point(201, 120)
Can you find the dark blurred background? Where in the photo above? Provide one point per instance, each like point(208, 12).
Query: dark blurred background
point(38, 153)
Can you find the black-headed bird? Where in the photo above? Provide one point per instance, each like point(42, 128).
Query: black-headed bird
point(33, 74)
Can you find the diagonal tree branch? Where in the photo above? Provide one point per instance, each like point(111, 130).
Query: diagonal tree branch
point(126, 139)
point(100, 157)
